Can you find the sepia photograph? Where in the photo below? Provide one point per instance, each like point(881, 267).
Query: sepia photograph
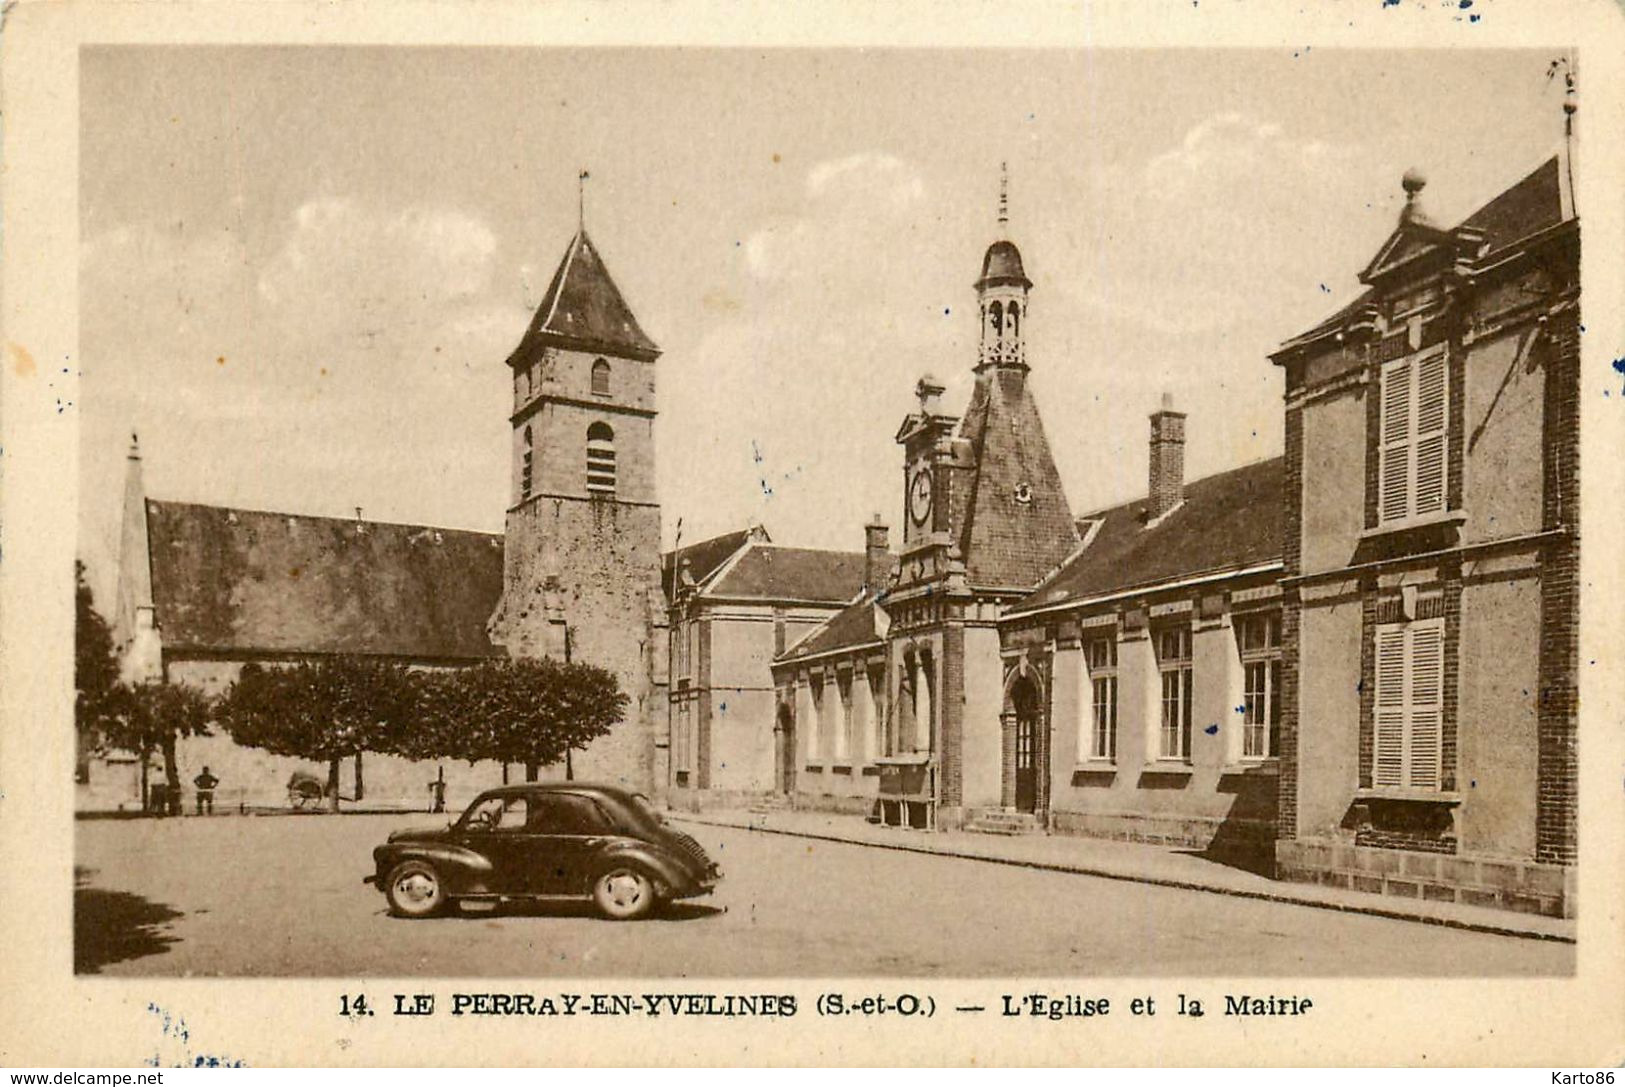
point(851, 517)
point(580, 535)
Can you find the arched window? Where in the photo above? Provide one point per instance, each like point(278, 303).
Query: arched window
point(525, 466)
point(600, 460)
point(1015, 320)
point(998, 320)
point(600, 378)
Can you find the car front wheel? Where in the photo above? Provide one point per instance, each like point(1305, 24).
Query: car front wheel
point(624, 894)
point(415, 890)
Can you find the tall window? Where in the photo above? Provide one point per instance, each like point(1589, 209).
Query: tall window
point(600, 460)
point(600, 378)
point(1409, 722)
point(1174, 666)
point(815, 734)
point(843, 716)
point(1411, 474)
point(526, 464)
point(1259, 639)
point(1101, 656)
point(683, 742)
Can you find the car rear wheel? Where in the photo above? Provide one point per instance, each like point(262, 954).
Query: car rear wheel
point(415, 890)
point(624, 894)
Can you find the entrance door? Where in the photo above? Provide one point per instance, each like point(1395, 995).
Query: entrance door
point(1026, 707)
point(784, 741)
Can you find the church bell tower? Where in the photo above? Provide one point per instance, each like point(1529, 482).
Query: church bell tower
point(582, 551)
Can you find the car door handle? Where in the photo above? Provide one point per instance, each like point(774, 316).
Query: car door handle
point(593, 843)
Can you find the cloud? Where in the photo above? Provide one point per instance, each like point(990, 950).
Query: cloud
point(344, 257)
point(854, 196)
point(363, 351)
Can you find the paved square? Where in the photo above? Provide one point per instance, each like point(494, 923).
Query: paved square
point(282, 896)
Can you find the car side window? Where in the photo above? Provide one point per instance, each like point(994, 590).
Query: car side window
point(564, 813)
point(507, 814)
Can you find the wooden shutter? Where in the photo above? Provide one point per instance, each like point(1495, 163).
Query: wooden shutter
point(1388, 763)
point(1394, 481)
point(1426, 705)
point(1431, 420)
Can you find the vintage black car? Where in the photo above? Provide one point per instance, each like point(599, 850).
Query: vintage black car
point(538, 842)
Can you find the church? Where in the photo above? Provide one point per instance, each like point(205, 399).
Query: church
point(204, 590)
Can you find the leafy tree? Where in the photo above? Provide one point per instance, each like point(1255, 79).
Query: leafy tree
point(529, 711)
point(154, 715)
point(95, 666)
point(328, 710)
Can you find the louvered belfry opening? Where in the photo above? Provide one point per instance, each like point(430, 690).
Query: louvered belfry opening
point(601, 460)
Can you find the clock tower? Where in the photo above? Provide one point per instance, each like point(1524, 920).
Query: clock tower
point(985, 518)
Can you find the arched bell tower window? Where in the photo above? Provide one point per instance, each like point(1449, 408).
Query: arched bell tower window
point(997, 319)
point(600, 378)
point(600, 461)
point(1015, 320)
point(526, 465)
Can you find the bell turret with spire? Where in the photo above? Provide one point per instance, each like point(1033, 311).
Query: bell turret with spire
point(1002, 292)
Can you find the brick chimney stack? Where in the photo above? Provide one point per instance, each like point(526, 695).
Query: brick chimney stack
point(1167, 459)
point(876, 555)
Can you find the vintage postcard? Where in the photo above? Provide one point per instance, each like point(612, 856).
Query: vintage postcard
point(1066, 536)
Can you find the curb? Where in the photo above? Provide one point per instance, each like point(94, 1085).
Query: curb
point(1286, 897)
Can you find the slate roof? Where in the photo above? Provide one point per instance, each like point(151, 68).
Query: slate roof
point(241, 581)
point(1008, 544)
point(1533, 204)
point(1228, 521)
point(583, 309)
point(770, 572)
point(854, 625)
point(704, 556)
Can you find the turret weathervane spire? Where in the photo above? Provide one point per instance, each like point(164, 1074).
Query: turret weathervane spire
point(1004, 198)
point(581, 199)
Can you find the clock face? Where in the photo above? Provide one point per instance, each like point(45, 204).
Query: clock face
point(919, 496)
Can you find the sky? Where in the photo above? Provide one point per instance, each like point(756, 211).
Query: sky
point(302, 268)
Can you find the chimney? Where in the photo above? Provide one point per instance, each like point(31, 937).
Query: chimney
point(929, 392)
point(876, 555)
point(1167, 459)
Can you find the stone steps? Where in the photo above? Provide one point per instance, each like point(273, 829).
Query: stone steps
point(1003, 822)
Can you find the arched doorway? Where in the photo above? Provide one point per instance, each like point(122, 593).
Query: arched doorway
point(1024, 704)
point(784, 751)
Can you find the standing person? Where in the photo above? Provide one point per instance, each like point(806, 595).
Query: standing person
point(206, 784)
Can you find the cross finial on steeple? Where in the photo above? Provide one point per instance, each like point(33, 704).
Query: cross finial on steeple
point(1004, 196)
point(581, 199)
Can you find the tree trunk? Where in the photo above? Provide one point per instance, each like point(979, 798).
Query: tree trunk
point(569, 768)
point(532, 770)
point(172, 774)
point(333, 782)
point(146, 783)
point(360, 791)
point(504, 773)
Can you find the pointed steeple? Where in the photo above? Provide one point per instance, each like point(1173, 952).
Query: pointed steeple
point(584, 310)
point(135, 631)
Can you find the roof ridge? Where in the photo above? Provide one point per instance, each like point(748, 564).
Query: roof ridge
point(1102, 511)
point(369, 522)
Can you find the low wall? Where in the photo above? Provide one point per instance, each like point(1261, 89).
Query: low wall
point(1522, 886)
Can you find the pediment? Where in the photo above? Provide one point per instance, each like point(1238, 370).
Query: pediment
point(1409, 243)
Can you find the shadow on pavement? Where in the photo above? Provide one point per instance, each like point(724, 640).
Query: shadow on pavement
point(115, 926)
point(673, 911)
